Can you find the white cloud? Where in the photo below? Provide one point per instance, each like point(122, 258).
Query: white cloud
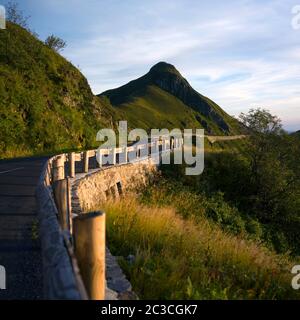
point(240, 53)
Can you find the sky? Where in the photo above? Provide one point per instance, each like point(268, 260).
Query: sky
point(242, 54)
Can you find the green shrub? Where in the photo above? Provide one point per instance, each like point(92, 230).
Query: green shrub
point(225, 215)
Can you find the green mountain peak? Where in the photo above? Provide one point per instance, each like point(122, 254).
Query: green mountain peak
point(162, 67)
point(162, 98)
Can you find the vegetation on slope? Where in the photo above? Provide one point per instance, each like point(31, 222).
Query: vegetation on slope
point(229, 233)
point(46, 104)
point(296, 134)
point(164, 99)
point(252, 187)
point(178, 258)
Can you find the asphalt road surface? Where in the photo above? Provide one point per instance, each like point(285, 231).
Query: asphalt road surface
point(20, 252)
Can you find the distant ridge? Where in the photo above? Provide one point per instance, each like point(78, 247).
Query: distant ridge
point(296, 133)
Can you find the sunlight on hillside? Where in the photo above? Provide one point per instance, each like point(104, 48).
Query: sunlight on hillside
point(185, 259)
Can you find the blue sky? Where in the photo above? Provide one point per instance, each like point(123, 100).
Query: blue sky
point(241, 54)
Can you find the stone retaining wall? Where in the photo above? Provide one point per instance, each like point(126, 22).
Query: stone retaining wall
point(91, 189)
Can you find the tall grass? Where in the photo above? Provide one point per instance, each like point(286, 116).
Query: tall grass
point(178, 258)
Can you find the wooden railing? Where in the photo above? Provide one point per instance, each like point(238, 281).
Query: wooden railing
point(84, 234)
point(61, 275)
point(213, 139)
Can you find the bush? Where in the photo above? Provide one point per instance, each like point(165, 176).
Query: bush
point(55, 43)
point(254, 228)
point(227, 217)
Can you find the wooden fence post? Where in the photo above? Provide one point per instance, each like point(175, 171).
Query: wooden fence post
point(89, 238)
point(59, 168)
point(100, 160)
point(114, 156)
point(72, 164)
point(86, 161)
point(164, 146)
point(157, 146)
point(69, 205)
point(60, 191)
point(48, 175)
point(160, 146)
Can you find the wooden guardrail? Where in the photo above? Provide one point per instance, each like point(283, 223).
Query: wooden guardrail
point(80, 239)
point(61, 276)
point(75, 269)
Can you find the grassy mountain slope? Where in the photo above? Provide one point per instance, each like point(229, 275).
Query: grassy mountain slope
point(163, 98)
point(46, 103)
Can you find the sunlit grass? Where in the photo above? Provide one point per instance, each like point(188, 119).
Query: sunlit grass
point(178, 258)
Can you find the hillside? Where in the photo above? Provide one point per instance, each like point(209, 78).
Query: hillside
point(296, 134)
point(164, 99)
point(46, 104)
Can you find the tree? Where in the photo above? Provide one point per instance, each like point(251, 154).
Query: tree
point(15, 15)
point(55, 43)
point(273, 164)
point(261, 121)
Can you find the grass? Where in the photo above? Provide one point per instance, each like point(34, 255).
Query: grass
point(147, 103)
point(178, 258)
point(46, 104)
point(189, 203)
point(227, 194)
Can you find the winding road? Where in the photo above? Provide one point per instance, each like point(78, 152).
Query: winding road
point(19, 247)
